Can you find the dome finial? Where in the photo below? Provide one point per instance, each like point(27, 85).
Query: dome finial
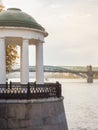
point(14, 9)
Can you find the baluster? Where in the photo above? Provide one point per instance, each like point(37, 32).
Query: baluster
point(10, 84)
point(6, 85)
point(35, 85)
point(28, 90)
point(58, 89)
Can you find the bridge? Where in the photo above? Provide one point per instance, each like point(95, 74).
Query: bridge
point(84, 72)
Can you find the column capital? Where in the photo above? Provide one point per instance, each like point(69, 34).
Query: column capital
point(42, 42)
point(25, 38)
point(3, 38)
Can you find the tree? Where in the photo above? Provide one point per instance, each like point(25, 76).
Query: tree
point(11, 51)
point(1, 6)
point(11, 56)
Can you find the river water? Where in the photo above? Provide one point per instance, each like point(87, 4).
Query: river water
point(80, 102)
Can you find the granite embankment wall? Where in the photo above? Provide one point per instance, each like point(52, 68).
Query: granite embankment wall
point(33, 115)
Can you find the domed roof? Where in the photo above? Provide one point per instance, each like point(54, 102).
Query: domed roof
point(14, 17)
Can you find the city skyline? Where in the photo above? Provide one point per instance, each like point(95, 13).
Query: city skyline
point(72, 26)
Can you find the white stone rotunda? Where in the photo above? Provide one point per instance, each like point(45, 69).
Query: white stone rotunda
point(27, 105)
point(17, 27)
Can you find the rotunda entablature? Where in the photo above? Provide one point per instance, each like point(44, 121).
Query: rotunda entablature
point(17, 33)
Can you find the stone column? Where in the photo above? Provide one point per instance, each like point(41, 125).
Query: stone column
point(24, 62)
point(2, 61)
point(39, 63)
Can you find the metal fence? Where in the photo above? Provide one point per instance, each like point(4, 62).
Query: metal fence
point(15, 90)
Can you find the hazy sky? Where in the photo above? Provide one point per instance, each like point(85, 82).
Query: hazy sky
point(72, 26)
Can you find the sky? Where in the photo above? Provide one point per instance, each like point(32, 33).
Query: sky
point(72, 26)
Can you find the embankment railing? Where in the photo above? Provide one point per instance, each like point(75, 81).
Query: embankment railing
point(16, 90)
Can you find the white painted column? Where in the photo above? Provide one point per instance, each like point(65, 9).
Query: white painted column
point(2, 61)
point(39, 64)
point(24, 68)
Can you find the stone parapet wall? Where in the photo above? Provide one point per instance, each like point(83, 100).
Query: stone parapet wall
point(46, 115)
